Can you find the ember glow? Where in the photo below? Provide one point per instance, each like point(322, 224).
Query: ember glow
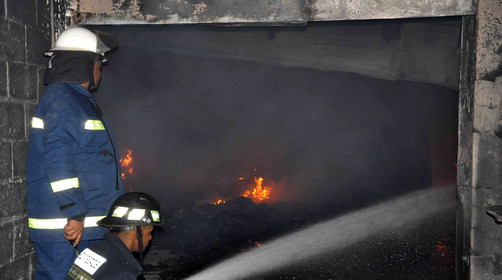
point(220, 201)
point(125, 163)
point(259, 193)
point(440, 246)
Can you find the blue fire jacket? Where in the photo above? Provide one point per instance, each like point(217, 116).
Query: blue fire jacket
point(72, 167)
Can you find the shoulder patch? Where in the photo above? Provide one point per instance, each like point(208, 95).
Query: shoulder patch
point(89, 261)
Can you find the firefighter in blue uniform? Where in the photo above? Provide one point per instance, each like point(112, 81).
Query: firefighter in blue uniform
point(130, 220)
point(72, 169)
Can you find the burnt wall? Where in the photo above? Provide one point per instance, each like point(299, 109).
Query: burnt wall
point(257, 12)
point(24, 34)
point(464, 156)
point(485, 236)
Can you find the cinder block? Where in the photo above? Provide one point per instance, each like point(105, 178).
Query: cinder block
point(484, 239)
point(18, 269)
point(22, 244)
point(12, 121)
point(33, 265)
point(483, 197)
point(4, 32)
point(30, 112)
point(19, 157)
point(38, 41)
point(13, 200)
point(32, 83)
point(2, 9)
point(6, 248)
point(23, 81)
point(43, 14)
point(14, 47)
point(5, 160)
point(3, 78)
point(23, 11)
point(482, 267)
point(489, 164)
point(41, 85)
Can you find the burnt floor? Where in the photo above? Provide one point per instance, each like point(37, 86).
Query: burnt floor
point(424, 252)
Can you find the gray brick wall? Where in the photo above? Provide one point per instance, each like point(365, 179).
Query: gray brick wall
point(25, 33)
point(485, 234)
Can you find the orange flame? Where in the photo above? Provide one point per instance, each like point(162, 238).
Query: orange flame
point(220, 201)
point(124, 162)
point(441, 246)
point(259, 192)
point(257, 243)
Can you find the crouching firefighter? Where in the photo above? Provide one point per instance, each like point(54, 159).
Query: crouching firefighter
point(73, 168)
point(130, 220)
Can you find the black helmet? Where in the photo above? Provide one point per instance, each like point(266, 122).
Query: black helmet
point(133, 209)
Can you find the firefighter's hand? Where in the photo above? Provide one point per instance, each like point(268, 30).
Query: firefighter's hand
point(73, 230)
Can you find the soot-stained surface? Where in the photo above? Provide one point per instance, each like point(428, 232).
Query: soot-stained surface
point(325, 142)
point(198, 238)
point(196, 124)
point(426, 253)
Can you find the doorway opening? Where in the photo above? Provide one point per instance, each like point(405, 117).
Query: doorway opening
point(333, 117)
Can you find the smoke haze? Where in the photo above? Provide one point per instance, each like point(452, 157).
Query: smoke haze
point(329, 139)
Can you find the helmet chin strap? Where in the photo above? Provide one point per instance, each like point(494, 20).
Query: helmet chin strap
point(139, 234)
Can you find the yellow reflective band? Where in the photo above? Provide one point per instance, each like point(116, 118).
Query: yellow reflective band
point(155, 215)
point(60, 223)
point(94, 125)
point(47, 223)
point(120, 211)
point(136, 214)
point(37, 123)
point(64, 184)
point(78, 274)
point(92, 221)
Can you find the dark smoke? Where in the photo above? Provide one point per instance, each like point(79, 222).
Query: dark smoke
point(326, 139)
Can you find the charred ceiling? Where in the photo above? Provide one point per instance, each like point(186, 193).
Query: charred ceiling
point(394, 54)
point(255, 12)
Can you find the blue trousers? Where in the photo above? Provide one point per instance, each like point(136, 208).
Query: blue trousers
point(56, 258)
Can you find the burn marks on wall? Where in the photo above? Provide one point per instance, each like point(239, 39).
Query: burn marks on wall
point(189, 11)
point(497, 72)
point(270, 12)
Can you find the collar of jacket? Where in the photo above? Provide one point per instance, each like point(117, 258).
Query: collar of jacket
point(80, 89)
point(121, 247)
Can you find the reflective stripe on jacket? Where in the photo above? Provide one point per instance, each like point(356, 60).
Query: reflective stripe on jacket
point(72, 167)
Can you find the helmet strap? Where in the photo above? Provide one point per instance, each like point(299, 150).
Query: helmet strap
point(139, 234)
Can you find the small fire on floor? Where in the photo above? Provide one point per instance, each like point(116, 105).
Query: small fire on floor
point(256, 192)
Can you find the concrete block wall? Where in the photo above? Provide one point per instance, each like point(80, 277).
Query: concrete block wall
point(25, 33)
point(486, 236)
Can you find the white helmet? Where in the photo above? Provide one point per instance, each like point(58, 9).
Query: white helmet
point(82, 39)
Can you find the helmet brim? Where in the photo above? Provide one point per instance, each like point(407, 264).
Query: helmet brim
point(50, 53)
point(105, 42)
point(114, 222)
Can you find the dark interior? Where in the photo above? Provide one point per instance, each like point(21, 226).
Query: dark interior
point(325, 142)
